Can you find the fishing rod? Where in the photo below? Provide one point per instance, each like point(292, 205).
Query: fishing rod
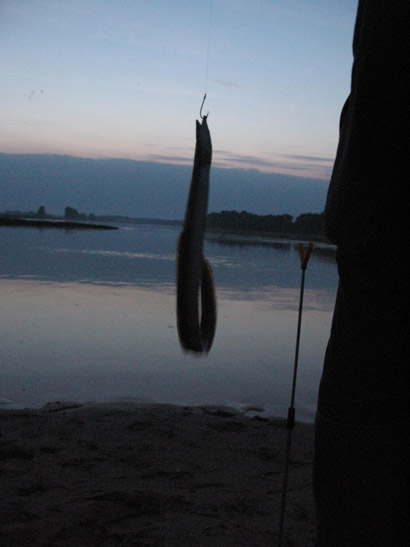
point(290, 422)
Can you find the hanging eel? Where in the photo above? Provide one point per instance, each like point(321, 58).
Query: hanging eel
point(194, 273)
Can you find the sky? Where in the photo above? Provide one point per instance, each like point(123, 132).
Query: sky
point(126, 79)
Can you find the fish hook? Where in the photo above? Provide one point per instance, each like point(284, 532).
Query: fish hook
point(200, 111)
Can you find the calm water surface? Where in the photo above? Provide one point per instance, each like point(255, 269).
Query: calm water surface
point(90, 315)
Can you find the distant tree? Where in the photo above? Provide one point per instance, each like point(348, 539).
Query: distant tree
point(306, 223)
point(92, 217)
point(309, 223)
point(280, 223)
point(13, 214)
point(250, 222)
point(73, 214)
point(41, 213)
point(70, 213)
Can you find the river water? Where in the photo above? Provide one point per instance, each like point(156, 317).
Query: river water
point(90, 316)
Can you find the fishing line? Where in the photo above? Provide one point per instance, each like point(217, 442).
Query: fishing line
point(208, 46)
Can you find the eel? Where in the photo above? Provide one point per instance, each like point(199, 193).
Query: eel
point(194, 273)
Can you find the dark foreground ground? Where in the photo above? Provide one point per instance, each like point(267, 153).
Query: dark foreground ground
point(150, 475)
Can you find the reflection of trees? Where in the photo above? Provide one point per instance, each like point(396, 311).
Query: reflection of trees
point(324, 253)
point(232, 241)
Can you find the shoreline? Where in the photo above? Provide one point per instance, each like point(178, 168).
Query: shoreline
point(210, 232)
point(294, 237)
point(251, 410)
point(66, 224)
point(151, 474)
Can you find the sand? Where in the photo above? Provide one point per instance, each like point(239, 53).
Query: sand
point(151, 475)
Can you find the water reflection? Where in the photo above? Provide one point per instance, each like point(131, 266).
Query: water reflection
point(248, 241)
point(142, 256)
point(145, 255)
point(322, 251)
point(91, 316)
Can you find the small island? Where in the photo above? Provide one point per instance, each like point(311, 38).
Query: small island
point(72, 220)
point(36, 223)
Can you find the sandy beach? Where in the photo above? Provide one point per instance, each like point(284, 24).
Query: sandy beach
point(151, 475)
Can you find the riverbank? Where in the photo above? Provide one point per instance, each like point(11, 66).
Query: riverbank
point(149, 474)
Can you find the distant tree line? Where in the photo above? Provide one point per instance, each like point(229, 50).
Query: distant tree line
point(69, 214)
point(306, 223)
point(72, 214)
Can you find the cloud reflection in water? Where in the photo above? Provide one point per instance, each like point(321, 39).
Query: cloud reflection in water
point(91, 315)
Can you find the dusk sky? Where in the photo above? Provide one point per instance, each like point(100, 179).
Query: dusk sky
point(126, 78)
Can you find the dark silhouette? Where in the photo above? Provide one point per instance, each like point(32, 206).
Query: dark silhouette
point(309, 223)
point(306, 223)
point(39, 223)
point(362, 447)
point(73, 214)
point(41, 213)
point(40, 219)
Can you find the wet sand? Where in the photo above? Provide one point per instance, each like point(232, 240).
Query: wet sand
point(151, 475)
